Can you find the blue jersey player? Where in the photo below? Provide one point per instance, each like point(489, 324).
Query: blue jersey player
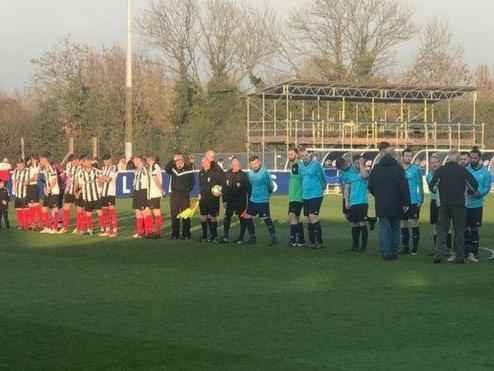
point(475, 204)
point(258, 205)
point(410, 218)
point(313, 184)
point(355, 181)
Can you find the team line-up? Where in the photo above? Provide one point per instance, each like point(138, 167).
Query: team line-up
point(91, 189)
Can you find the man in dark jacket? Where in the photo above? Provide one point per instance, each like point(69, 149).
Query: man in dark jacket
point(4, 204)
point(388, 184)
point(209, 204)
point(182, 182)
point(449, 183)
point(236, 193)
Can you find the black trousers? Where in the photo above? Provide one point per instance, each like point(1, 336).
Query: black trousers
point(178, 203)
point(4, 214)
point(457, 216)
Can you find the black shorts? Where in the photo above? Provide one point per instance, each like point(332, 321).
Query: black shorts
point(236, 207)
point(20, 203)
point(209, 206)
point(79, 202)
point(295, 207)
point(51, 201)
point(108, 201)
point(358, 213)
point(474, 217)
point(69, 198)
point(155, 203)
point(412, 213)
point(92, 205)
point(140, 199)
point(32, 194)
point(434, 212)
point(260, 209)
point(312, 206)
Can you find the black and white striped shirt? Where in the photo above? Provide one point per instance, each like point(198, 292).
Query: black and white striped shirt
point(51, 176)
point(109, 189)
point(88, 182)
point(141, 179)
point(155, 191)
point(71, 172)
point(20, 177)
point(34, 171)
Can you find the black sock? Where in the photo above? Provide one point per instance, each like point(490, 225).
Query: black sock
point(318, 232)
point(405, 238)
point(355, 237)
point(213, 228)
point(475, 242)
point(415, 237)
point(270, 227)
point(301, 237)
point(449, 241)
point(435, 239)
point(250, 228)
point(468, 242)
point(293, 233)
point(204, 226)
point(364, 232)
point(226, 226)
point(186, 228)
point(310, 229)
point(243, 227)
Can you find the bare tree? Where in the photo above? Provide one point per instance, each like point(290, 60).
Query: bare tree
point(439, 60)
point(346, 39)
point(172, 26)
point(237, 38)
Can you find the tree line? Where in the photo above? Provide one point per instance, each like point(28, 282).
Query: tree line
point(197, 58)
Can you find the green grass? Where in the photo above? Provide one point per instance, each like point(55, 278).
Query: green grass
point(89, 303)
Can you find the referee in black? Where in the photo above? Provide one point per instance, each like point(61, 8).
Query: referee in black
point(182, 182)
point(236, 191)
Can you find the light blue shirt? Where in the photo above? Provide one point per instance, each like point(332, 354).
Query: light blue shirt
point(483, 177)
point(358, 188)
point(414, 178)
point(313, 179)
point(262, 185)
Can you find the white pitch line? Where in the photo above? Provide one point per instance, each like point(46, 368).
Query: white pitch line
point(491, 251)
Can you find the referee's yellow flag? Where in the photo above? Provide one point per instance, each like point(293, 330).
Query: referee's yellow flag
point(188, 213)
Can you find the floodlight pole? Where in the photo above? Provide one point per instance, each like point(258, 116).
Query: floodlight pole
point(128, 85)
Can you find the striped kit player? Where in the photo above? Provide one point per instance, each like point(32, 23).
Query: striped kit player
point(155, 193)
point(33, 193)
point(108, 182)
point(140, 204)
point(71, 173)
point(87, 180)
point(52, 195)
point(20, 180)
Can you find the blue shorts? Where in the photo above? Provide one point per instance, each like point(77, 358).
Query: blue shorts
point(312, 206)
point(258, 209)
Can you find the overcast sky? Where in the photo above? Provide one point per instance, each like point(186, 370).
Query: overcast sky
point(29, 27)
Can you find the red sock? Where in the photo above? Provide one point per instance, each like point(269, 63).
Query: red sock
point(46, 220)
point(140, 226)
point(22, 218)
point(89, 222)
point(26, 218)
point(148, 224)
point(159, 223)
point(66, 219)
point(114, 218)
point(78, 220)
point(55, 221)
point(32, 214)
point(102, 220)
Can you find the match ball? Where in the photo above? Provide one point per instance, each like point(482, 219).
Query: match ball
point(216, 190)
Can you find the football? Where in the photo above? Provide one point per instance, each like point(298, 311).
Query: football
point(216, 190)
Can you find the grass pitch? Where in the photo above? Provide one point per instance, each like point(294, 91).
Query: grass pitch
point(79, 302)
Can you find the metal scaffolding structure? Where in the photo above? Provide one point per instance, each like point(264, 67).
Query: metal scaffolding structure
point(336, 115)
